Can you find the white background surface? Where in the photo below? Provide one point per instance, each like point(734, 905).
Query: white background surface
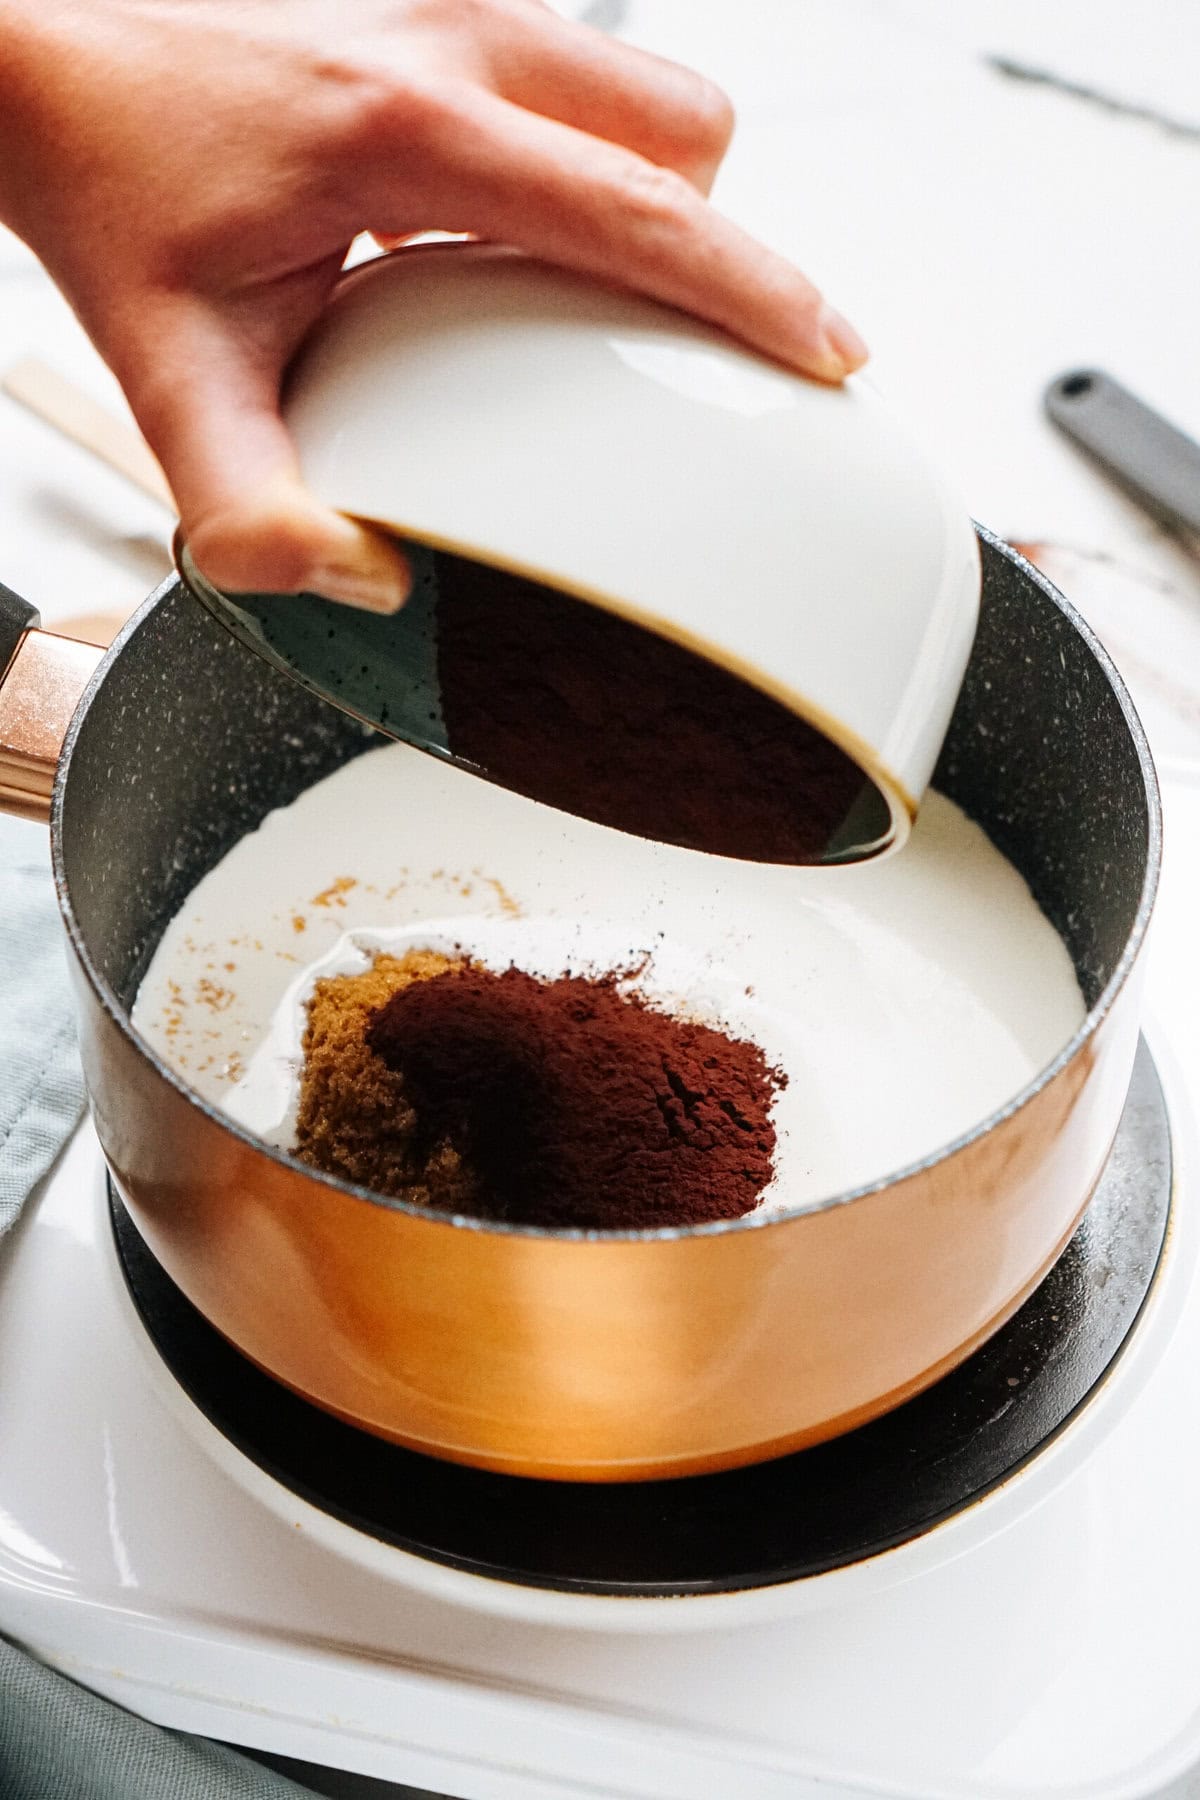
point(984, 232)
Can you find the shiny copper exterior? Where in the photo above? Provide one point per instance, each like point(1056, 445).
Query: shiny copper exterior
point(605, 1360)
point(39, 692)
point(610, 1357)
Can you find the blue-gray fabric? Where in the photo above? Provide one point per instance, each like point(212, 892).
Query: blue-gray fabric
point(57, 1740)
point(60, 1742)
point(41, 1089)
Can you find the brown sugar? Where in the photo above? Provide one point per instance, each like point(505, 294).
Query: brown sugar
point(569, 1103)
point(354, 1118)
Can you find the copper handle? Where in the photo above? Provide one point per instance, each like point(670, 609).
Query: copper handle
point(41, 685)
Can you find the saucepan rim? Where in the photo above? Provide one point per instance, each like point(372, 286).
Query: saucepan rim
point(752, 1221)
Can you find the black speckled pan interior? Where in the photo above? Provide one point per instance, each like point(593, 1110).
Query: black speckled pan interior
point(188, 739)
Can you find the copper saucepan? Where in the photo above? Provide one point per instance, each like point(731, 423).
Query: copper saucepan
point(536, 1352)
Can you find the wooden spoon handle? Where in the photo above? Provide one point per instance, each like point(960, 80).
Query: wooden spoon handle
point(58, 402)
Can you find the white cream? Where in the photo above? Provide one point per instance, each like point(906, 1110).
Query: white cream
point(905, 1000)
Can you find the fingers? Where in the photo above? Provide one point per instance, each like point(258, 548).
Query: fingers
point(496, 169)
point(664, 112)
point(208, 402)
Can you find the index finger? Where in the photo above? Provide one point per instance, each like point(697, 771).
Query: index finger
point(505, 173)
point(567, 71)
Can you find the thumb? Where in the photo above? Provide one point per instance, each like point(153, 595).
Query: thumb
point(208, 404)
point(274, 537)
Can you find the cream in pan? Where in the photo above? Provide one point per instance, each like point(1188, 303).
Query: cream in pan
point(905, 999)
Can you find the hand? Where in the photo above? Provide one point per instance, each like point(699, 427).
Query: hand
point(192, 173)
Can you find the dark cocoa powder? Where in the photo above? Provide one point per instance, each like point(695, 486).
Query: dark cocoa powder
point(574, 1103)
point(570, 705)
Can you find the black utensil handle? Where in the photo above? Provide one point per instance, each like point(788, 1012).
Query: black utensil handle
point(1156, 463)
point(16, 618)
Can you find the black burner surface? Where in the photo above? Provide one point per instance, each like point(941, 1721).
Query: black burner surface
point(797, 1516)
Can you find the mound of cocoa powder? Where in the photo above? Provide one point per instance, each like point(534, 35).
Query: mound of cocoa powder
point(588, 712)
point(569, 1103)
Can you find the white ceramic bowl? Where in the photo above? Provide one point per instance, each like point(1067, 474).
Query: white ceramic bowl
point(475, 400)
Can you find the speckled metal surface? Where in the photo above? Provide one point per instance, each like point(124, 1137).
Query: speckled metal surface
point(388, 672)
point(379, 667)
point(1045, 751)
point(182, 746)
point(781, 1521)
point(186, 741)
point(736, 1329)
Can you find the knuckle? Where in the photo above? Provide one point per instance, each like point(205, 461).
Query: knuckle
point(714, 114)
point(406, 110)
point(442, 16)
point(710, 114)
point(344, 96)
point(655, 197)
point(479, 16)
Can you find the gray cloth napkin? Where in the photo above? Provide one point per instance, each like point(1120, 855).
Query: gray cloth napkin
point(41, 1089)
point(60, 1742)
point(57, 1740)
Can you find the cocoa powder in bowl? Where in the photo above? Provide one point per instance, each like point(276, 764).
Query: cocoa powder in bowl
point(573, 1103)
point(571, 705)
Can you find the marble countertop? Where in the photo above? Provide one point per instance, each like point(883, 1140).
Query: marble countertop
point(993, 192)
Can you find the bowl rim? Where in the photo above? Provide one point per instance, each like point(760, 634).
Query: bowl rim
point(901, 804)
point(754, 1220)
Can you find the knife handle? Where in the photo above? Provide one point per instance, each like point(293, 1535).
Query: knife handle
point(1158, 465)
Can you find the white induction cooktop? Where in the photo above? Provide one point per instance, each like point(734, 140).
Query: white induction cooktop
point(1045, 1643)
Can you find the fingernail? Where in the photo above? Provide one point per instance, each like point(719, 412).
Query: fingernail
point(842, 343)
point(382, 592)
